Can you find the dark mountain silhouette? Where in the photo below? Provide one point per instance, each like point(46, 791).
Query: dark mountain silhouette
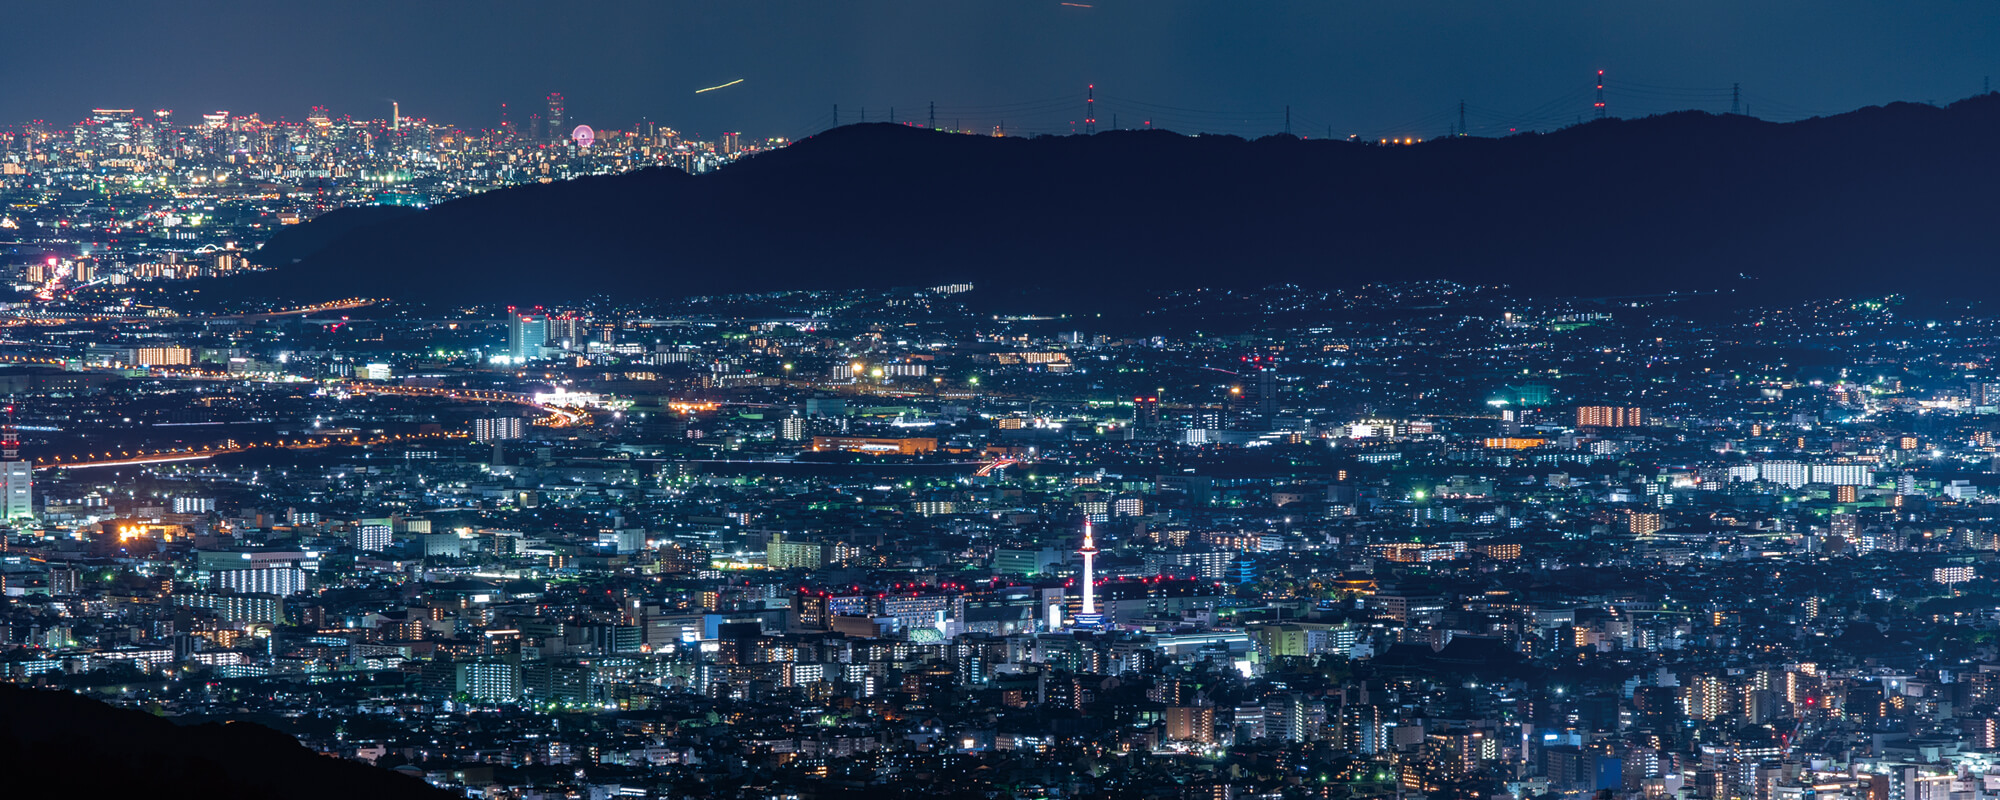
point(77, 747)
point(1894, 198)
point(298, 241)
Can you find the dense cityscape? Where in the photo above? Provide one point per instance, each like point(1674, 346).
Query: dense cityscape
point(1413, 539)
point(992, 400)
point(124, 195)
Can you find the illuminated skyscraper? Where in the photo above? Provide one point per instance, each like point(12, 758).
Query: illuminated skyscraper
point(1253, 404)
point(17, 477)
point(570, 331)
point(556, 130)
point(526, 333)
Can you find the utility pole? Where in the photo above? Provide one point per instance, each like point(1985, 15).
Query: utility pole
point(1461, 117)
point(892, 115)
point(1735, 97)
point(933, 115)
point(1288, 120)
point(836, 115)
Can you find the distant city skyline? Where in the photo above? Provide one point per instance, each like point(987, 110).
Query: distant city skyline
point(779, 71)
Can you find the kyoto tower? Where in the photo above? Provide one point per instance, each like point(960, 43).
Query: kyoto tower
point(1089, 553)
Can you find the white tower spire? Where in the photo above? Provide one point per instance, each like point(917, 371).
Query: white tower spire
point(1089, 553)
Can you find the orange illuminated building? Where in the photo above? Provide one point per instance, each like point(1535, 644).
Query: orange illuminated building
point(873, 446)
point(1503, 552)
point(125, 530)
point(1514, 443)
point(1609, 417)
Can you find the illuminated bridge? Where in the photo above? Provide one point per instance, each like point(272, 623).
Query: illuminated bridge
point(125, 458)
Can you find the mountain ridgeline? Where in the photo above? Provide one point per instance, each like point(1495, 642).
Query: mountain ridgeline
point(78, 747)
point(1898, 198)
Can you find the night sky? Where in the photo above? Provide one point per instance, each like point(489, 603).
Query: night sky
point(1376, 68)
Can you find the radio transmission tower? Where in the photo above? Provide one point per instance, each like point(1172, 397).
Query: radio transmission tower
point(1090, 110)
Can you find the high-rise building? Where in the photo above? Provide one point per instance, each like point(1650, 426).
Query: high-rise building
point(1841, 474)
point(496, 429)
point(1191, 724)
point(1609, 417)
point(555, 115)
point(159, 356)
point(193, 505)
point(527, 332)
point(1705, 697)
point(488, 681)
point(782, 554)
point(569, 331)
point(372, 538)
point(235, 607)
point(809, 612)
point(1146, 412)
point(1253, 404)
point(280, 581)
point(17, 476)
point(1788, 473)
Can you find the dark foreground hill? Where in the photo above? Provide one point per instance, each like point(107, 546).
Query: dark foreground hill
point(56, 744)
point(296, 242)
point(1895, 198)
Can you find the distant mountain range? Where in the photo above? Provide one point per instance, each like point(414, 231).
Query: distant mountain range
point(65, 745)
point(1904, 197)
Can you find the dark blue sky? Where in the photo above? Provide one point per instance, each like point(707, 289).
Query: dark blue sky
point(1374, 68)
